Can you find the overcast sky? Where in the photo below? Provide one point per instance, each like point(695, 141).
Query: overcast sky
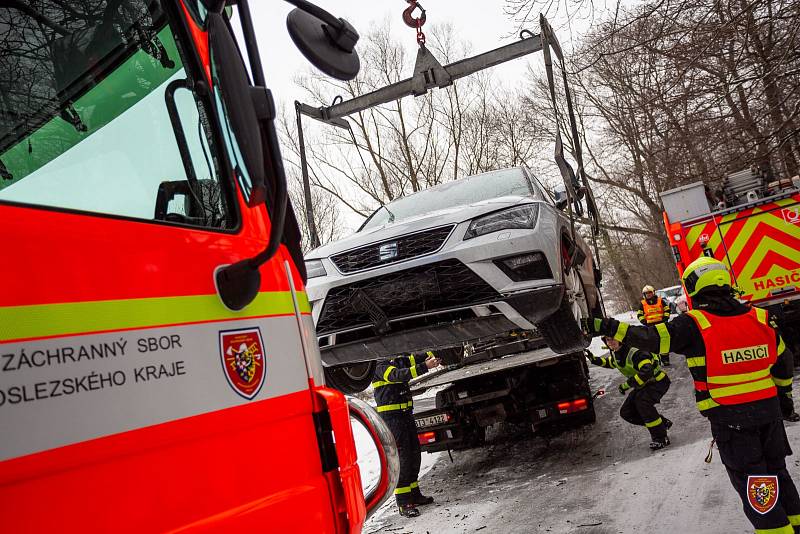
point(483, 24)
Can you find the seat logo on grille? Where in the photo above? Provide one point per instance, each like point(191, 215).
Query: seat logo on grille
point(387, 251)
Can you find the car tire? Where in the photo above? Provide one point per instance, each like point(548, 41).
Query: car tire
point(350, 379)
point(562, 330)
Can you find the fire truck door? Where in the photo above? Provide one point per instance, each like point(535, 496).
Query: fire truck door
point(131, 399)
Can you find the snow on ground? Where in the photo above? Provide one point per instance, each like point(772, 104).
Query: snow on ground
point(599, 479)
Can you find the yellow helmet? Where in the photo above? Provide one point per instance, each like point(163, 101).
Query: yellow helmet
point(648, 289)
point(705, 272)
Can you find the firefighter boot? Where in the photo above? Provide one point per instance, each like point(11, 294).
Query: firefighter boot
point(409, 510)
point(422, 500)
point(792, 417)
point(659, 443)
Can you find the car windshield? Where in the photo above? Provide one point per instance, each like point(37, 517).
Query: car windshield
point(669, 292)
point(451, 194)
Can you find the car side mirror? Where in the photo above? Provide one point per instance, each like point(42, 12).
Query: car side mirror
point(561, 197)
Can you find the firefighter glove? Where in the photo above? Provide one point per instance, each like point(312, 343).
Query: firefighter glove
point(588, 354)
point(623, 388)
point(594, 326)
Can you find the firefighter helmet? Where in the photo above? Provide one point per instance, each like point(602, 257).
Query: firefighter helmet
point(648, 289)
point(704, 273)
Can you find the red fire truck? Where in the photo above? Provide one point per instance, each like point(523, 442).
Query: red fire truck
point(754, 227)
point(158, 363)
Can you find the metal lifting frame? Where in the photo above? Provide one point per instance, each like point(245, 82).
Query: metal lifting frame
point(429, 73)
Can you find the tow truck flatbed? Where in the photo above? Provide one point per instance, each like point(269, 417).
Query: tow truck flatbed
point(543, 356)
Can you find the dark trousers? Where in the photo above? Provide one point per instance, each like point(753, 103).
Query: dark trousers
point(404, 430)
point(759, 451)
point(640, 407)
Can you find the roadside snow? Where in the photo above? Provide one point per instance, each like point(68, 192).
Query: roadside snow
point(599, 479)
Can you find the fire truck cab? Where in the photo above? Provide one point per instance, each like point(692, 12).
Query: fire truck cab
point(158, 363)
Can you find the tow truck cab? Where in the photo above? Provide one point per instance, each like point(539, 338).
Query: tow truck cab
point(536, 388)
point(145, 384)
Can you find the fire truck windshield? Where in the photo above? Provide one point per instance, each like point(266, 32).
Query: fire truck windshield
point(84, 117)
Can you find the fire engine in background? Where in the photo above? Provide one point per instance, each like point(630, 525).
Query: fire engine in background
point(158, 362)
point(754, 227)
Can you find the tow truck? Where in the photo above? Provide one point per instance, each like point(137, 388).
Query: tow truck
point(516, 380)
point(752, 224)
point(368, 332)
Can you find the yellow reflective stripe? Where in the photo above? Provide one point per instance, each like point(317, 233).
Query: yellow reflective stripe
point(622, 329)
point(706, 404)
point(738, 389)
point(697, 361)
point(414, 484)
point(413, 361)
point(788, 529)
point(794, 519)
point(392, 407)
point(643, 362)
point(638, 380)
point(49, 320)
point(700, 318)
point(387, 371)
point(431, 354)
point(735, 379)
point(404, 489)
point(761, 315)
point(663, 333)
point(781, 345)
point(661, 376)
point(782, 381)
point(651, 424)
point(380, 384)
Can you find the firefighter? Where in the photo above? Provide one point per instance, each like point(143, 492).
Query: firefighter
point(653, 310)
point(646, 382)
point(393, 398)
point(738, 362)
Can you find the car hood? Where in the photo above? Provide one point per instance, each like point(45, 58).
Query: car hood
point(452, 215)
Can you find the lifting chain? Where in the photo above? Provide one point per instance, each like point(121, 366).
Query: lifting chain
point(415, 22)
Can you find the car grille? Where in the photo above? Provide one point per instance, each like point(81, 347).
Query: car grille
point(391, 250)
point(436, 286)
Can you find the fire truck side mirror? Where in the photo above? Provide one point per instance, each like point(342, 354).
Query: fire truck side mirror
point(247, 114)
point(327, 42)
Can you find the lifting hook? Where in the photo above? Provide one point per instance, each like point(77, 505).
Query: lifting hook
point(409, 18)
point(415, 22)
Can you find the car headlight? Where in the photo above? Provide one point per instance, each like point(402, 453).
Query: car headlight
point(517, 217)
point(314, 268)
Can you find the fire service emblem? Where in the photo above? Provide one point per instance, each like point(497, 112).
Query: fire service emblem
point(762, 492)
point(242, 353)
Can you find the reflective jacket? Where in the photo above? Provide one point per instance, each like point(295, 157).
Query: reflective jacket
point(391, 379)
point(658, 312)
point(638, 366)
point(683, 336)
point(740, 351)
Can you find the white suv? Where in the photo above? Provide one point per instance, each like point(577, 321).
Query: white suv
point(465, 260)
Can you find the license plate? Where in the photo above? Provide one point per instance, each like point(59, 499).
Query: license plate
point(431, 420)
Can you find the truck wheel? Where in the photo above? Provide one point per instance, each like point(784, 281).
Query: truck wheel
point(561, 330)
point(350, 379)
